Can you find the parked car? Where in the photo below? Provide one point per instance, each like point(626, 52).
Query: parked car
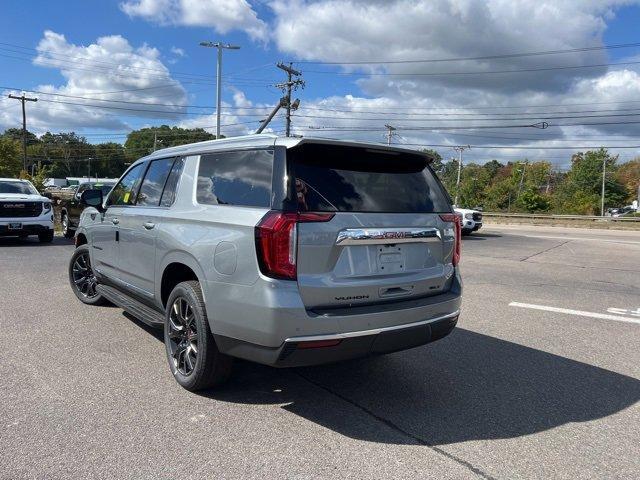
point(471, 220)
point(623, 211)
point(72, 207)
point(282, 251)
point(23, 211)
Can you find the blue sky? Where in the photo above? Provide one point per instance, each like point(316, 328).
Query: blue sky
point(330, 30)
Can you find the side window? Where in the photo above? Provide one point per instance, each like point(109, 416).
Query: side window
point(236, 178)
point(125, 190)
point(169, 193)
point(153, 183)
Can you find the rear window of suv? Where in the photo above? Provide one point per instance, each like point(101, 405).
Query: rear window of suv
point(334, 178)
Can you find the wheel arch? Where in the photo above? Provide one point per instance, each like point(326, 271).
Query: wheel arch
point(81, 239)
point(177, 267)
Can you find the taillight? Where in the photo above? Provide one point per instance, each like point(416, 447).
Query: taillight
point(277, 241)
point(457, 221)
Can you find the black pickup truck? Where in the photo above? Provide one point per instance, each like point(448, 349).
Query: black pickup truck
point(71, 208)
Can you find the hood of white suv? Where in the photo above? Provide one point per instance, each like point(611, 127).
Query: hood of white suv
point(465, 210)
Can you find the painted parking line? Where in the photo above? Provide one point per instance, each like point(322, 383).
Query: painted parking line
point(580, 313)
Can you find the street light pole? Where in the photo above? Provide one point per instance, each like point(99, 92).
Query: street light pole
point(219, 46)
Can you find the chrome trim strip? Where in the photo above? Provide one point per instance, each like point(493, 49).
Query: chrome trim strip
point(364, 236)
point(374, 331)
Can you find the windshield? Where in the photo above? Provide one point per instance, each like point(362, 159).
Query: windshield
point(355, 179)
point(17, 187)
point(105, 187)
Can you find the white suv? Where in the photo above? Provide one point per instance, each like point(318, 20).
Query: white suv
point(471, 220)
point(23, 211)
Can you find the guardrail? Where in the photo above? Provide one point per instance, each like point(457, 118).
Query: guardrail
point(543, 216)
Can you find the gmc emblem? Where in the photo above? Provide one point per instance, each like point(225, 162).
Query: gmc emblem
point(395, 234)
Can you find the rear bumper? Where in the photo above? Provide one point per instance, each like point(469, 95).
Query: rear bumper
point(295, 351)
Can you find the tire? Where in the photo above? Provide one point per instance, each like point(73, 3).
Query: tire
point(194, 358)
point(78, 265)
point(66, 230)
point(46, 237)
point(465, 232)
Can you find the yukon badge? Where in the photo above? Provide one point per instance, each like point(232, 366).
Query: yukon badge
point(354, 297)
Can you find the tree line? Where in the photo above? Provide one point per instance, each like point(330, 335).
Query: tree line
point(520, 186)
point(61, 155)
point(531, 187)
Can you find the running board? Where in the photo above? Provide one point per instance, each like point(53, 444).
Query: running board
point(142, 312)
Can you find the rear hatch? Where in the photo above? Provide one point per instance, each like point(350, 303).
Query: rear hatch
point(386, 240)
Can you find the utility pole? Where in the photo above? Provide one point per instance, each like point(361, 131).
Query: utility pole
point(265, 122)
point(24, 99)
point(524, 168)
point(604, 173)
point(390, 133)
point(288, 86)
point(459, 149)
point(219, 46)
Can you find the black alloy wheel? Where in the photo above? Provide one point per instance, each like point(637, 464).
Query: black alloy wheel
point(183, 336)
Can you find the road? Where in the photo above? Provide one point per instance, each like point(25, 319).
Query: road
point(519, 390)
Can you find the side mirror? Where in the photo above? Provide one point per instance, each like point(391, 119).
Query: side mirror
point(92, 198)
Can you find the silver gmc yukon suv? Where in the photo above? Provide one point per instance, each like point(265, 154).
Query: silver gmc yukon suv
point(283, 251)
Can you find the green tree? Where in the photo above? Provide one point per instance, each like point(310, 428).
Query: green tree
point(141, 142)
point(110, 159)
point(580, 190)
point(628, 174)
point(16, 134)
point(531, 201)
point(65, 152)
point(10, 157)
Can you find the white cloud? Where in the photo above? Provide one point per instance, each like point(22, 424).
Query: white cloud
point(178, 51)
point(223, 16)
point(111, 65)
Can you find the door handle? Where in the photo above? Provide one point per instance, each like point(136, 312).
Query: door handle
point(115, 221)
point(148, 225)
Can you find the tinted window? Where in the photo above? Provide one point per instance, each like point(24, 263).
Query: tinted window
point(169, 194)
point(153, 183)
point(355, 179)
point(124, 192)
point(105, 187)
point(236, 178)
point(17, 187)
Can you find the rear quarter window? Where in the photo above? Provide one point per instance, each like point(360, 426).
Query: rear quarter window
point(240, 178)
point(338, 178)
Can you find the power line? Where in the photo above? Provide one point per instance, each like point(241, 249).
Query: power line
point(492, 72)
point(486, 57)
point(474, 107)
point(536, 116)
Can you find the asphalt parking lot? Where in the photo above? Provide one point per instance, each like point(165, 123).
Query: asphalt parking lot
point(540, 380)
